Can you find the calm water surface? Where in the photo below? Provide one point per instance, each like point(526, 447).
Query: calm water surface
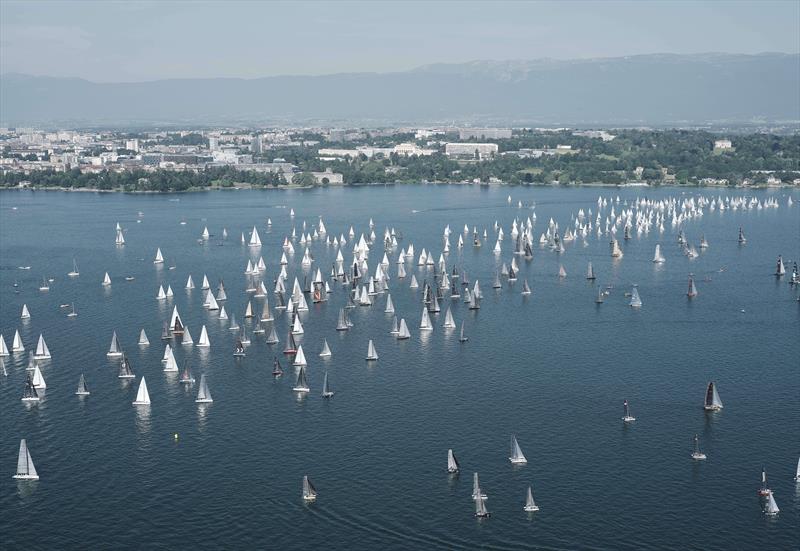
point(552, 368)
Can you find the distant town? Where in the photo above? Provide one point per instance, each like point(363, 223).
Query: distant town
point(184, 160)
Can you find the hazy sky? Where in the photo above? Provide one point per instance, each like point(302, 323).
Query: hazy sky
point(133, 41)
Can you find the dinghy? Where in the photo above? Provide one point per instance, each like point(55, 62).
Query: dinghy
point(106, 280)
point(74, 272)
point(402, 331)
point(25, 468)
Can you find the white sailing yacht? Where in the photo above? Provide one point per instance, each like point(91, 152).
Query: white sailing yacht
point(159, 259)
point(301, 384)
point(309, 491)
point(530, 505)
point(372, 354)
point(636, 301)
point(42, 352)
point(83, 390)
point(771, 507)
point(712, 401)
point(476, 488)
point(627, 417)
point(326, 351)
point(16, 344)
point(697, 455)
point(74, 272)
point(516, 457)
point(143, 340)
point(25, 312)
point(3, 347)
point(106, 280)
point(452, 462)
point(203, 394)
point(658, 258)
point(480, 507)
point(204, 342)
point(402, 332)
point(115, 350)
point(326, 389)
point(25, 468)
point(142, 396)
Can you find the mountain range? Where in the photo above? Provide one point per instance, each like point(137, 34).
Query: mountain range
point(642, 90)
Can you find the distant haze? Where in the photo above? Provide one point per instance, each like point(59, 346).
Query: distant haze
point(640, 90)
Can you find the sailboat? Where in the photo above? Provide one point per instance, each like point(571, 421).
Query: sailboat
point(599, 299)
point(204, 342)
point(25, 468)
point(562, 273)
point(764, 489)
point(462, 337)
point(277, 371)
point(771, 507)
point(25, 312)
point(449, 322)
point(516, 457)
point(692, 292)
point(372, 354)
point(115, 350)
point(106, 280)
point(476, 488)
point(712, 402)
point(309, 492)
point(83, 390)
point(636, 301)
point(402, 332)
point(16, 344)
point(142, 396)
point(326, 351)
point(480, 505)
point(72, 313)
point(616, 252)
point(526, 289)
point(627, 417)
point(300, 357)
point(42, 352)
point(29, 394)
point(74, 272)
point(3, 347)
point(301, 384)
point(742, 238)
point(590, 273)
point(658, 258)
point(272, 338)
point(780, 269)
point(238, 350)
point(530, 505)
point(159, 259)
point(697, 455)
point(125, 370)
point(452, 463)
point(203, 395)
point(186, 374)
point(326, 389)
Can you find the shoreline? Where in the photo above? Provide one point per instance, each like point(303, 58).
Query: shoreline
point(290, 187)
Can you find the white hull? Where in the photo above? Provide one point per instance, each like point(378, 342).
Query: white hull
point(699, 456)
point(26, 477)
point(531, 508)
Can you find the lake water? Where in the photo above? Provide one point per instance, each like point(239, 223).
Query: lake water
point(552, 368)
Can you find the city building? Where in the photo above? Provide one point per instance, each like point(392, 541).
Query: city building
point(723, 144)
point(471, 150)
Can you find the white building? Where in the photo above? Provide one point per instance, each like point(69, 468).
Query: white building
point(471, 150)
point(132, 145)
point(723, 144)
point(484, 133)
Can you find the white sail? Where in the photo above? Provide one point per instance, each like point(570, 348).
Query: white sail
point(38, 379)
point(42, 352)
point(636, 301)
point(211, 302)
point(300, 357)
point(206, 285)
point(159, 259)
point(372, 354)
point(326, 351)
point(530, 505)
point(204, 342)
point(187, 337)
point(171, 365)
point(83, 390)
point(449, 322)
point(389, 305)
point(3, 347)
point(248, 312)
point(142, 396)
point(402, 332)
point(326, 389)
point(25, 467)
point(297, 327)
point(771, 507)
point(658, 258)
point(452, 462)
point(309, 492)
point(797, 474)
point(161, 295)
point(16, 345)
point(425, 323)
point(203, 394)
point(189, 282)
point(255, 240)
point(713, 401)
point(114, 350)
point(516, 457)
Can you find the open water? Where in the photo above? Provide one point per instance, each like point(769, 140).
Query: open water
point(552, 368)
